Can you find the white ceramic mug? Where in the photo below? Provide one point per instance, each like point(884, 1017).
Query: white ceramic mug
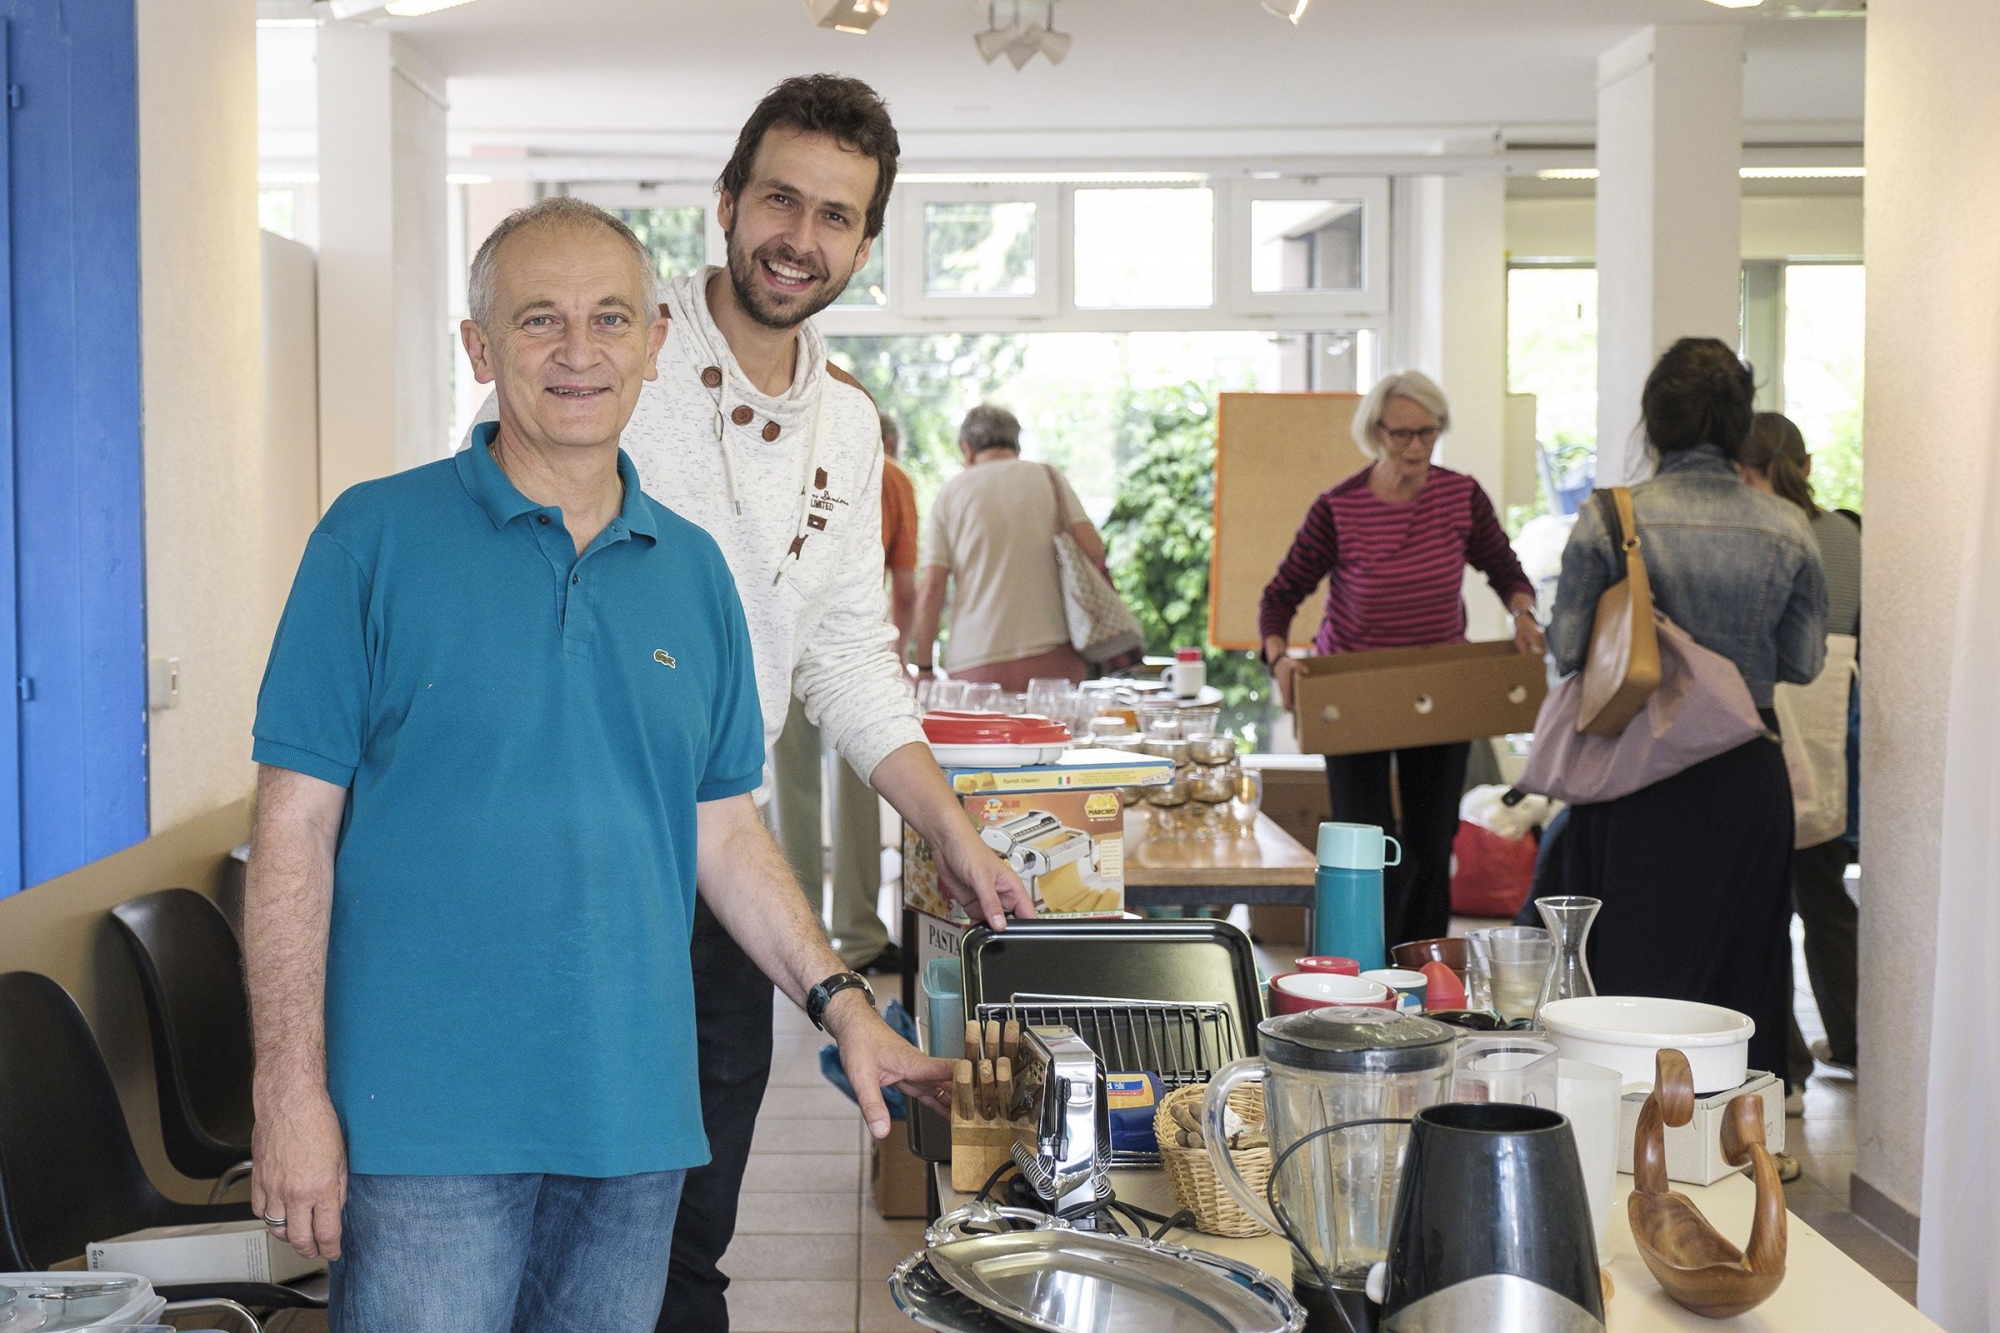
point(1412, 988)
point(1187, 674)
point(1589, 1095)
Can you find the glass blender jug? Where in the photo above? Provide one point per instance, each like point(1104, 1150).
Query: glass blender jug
point(1321, 1068)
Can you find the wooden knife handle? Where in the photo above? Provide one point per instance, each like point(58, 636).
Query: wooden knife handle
point(961, 1091)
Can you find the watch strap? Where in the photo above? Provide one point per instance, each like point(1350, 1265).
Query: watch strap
point(822, 995)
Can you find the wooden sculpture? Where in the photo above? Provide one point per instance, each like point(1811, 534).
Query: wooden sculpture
point(1691, 1260)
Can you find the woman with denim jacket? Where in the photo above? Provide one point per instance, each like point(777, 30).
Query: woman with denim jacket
point(1695, 870)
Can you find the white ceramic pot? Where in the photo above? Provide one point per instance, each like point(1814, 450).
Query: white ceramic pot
point(1622, 1032)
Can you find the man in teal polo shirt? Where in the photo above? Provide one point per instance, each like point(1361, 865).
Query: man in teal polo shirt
point(509, 727)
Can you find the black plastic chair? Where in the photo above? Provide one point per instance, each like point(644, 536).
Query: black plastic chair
point(68, 1172)
point(191, 972)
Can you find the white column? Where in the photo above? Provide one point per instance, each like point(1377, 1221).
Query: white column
point(384, 326)
point(1669, 207)
point(1459, 338)
point(1932, 425)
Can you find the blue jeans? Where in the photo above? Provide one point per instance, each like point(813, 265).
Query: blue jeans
point(481, 1254)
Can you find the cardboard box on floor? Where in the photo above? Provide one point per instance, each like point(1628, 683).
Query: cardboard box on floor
point(1354, 703)
point(897, 1175)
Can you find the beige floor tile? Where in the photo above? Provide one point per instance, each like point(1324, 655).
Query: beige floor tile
point(797, 1072)
point(768, 1258)
point(1830, 1099)
point(819, 1173)
point(1830, 1171)
point(792, 1307)
point(1820, 1138)
point(821, 1101)
point(821, 1137)
point(878, 1311)
point(798, 1046)
point(799, 1214)
point(883, 1250)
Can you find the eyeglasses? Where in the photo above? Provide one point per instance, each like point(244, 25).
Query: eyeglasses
point(1428, 435)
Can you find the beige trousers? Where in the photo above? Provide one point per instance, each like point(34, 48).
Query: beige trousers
point(801, 763)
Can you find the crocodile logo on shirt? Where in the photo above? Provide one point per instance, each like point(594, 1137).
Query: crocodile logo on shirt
point(664, 658)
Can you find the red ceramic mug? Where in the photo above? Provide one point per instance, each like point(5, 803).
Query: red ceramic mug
point(1329, 963)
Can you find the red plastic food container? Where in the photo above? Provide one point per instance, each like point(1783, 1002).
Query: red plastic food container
point(950, 728)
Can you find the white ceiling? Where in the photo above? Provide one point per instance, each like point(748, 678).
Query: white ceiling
point(652, 83)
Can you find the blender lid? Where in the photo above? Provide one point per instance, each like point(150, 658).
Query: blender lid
point(1348, 1039)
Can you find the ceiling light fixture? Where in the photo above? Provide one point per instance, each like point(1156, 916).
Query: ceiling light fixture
point(1291, 11)
point(1021, 42)
point(849, 16)
point(1744, 173)
point(409, 9)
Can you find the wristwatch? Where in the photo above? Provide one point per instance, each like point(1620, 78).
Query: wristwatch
point(822, 995)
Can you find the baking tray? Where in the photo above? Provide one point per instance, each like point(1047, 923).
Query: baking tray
point(1178, 962)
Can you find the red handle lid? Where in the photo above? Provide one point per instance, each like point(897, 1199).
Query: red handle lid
point(953, 728)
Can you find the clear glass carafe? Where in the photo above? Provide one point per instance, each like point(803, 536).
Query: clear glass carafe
point(1568, 920)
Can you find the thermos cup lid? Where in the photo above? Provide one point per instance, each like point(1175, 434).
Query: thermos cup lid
point(1355, 847)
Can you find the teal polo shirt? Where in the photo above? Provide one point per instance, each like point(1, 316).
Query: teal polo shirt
point(524, 734)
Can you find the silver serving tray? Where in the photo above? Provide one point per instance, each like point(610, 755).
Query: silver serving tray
point(1065, 1281)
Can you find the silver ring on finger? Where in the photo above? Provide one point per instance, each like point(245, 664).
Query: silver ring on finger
point(275, 1223)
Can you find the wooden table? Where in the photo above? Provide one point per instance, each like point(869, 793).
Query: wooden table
point(1823, 1291)
point(1269, 867)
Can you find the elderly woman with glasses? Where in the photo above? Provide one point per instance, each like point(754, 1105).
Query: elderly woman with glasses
point(1393, 541)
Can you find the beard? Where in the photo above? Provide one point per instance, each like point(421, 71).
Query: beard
point(772, 310)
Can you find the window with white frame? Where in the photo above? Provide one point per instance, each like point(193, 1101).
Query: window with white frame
point(1143, 248)
point(1310, 245)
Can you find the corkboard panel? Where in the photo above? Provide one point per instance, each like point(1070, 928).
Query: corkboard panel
point(1274, 454)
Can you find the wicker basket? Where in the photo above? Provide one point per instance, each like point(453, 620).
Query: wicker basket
point(1196, 1186)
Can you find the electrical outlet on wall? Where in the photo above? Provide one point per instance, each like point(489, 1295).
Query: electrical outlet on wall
point(163, 683)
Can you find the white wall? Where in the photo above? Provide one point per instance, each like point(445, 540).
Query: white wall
point(384, 337)
point(1933, 379)
point(1808, 226)
point(291, 415)
point(198, 275)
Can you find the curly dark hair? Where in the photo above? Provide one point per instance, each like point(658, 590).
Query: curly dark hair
point(1701, 392)
point(846, 110)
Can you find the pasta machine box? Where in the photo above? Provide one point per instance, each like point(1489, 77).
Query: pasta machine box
point(1060, 826)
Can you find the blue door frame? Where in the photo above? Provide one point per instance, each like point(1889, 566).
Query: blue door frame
point(74, 532)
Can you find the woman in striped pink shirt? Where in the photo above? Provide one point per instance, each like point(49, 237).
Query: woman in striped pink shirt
point(1393, 541)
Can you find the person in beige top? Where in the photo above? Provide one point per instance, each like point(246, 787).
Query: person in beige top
point(992, 534)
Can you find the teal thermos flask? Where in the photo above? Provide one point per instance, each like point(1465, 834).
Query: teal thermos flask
point(1347, 893)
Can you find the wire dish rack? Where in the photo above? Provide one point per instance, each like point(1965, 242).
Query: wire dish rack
point(1182, 1043)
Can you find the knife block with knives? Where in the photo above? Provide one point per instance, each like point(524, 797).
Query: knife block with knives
point(984, 1103)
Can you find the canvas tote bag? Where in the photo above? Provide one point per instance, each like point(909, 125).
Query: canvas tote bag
point(1101, 626)
point(1622, 668)
point(1813, 720)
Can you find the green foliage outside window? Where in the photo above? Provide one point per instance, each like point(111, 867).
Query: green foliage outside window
point(677, 237)
point(928, 384)
point(1160, 534)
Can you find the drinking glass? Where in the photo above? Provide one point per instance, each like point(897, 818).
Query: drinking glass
point(926, 686)
point(1504, 1069)
point(1012, 704)
point(1248, 800)
point(981, 697)
point(1046, 695)
point(947, 696)
point(1568, 919)
point(1520, 963)
point(1198, 722)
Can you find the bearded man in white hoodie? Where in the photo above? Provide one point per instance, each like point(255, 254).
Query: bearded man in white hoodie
point(752, 434)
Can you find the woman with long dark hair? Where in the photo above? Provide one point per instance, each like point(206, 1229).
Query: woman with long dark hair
point(1774, 459)
point(1695, 870)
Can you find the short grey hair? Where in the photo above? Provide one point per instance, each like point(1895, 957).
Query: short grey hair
point(1414, 385)
point(556, 210)
point(990, 426)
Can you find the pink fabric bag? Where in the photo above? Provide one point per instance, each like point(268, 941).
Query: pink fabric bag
point(1701, 709)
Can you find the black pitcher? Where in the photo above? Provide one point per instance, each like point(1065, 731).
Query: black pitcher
point(1493, 1227)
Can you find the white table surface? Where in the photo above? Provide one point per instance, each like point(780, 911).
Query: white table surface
point(1824, 1291)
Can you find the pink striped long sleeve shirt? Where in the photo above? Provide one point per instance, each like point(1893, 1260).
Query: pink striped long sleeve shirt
point(1397, 570)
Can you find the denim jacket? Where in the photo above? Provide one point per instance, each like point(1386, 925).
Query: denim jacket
point(1736, 568)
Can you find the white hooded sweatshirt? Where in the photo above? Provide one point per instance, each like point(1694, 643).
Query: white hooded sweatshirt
point(790, 487)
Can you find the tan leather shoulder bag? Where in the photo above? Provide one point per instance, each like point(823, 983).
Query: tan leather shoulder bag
point(1622, 669)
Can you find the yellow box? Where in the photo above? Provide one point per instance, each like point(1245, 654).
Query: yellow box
point(1068, 847)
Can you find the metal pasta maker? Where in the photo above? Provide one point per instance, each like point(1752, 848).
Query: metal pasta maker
point(1062, 1130)
point(1037, 845)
